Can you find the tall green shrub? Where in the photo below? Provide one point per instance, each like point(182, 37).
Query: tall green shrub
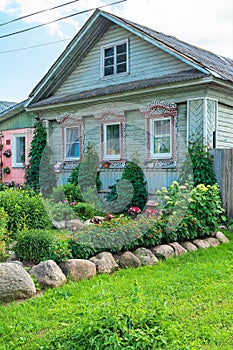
point(47, 178)
point(37, 147)
point(133, 174)
point(199, 164)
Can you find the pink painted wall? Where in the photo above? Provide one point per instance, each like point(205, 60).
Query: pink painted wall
point(17, 174)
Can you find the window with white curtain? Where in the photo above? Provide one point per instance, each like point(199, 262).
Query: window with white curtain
point(112, 141)
point(18, 156)
point(72, 143)
point(161, 138)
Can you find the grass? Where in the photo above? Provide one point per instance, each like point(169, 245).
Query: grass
point(182, 303)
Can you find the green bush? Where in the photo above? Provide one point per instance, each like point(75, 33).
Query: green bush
point(198, 164)
point(4, 238)
point(136, 194)
point(189, 212)
point(35, 245)
point(61, 251)
point(84, 211)
point(59, 211)
point(25, 209)
point(114, 236)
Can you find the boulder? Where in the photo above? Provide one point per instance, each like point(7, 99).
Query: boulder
point(78, 269)
point(104, 262)
point(201, 243)
point(178, 249)
point(190, 247)
point(71, 224)
point(163, 251)
point(213, 242)
point(48, 274)
point(15, 282)
point(221, 237)
point(146, 256)
point(128, 259)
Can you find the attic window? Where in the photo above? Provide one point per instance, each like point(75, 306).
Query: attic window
point(114, 58)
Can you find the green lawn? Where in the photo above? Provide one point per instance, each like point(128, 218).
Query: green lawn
point(182, 303)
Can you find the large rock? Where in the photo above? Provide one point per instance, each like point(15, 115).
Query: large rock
point(213, 242)
point(201, 243)
point(71, 224)
point(48, 274)
point(190, 247)
point(146, 256)
point(78, 269)
point(128, 259)
point(221, 237)
point(178, 249)
point(163, 251)
point(15, 282)
point(104, 262)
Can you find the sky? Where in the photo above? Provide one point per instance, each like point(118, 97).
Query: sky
point(26, 57)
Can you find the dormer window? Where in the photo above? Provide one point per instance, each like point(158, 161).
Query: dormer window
point(114, 58)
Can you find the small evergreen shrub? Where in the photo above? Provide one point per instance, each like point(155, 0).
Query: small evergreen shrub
point(136, 194)
point(25, 209)
point(59, 211)
point(35, 245)
point(84, 210)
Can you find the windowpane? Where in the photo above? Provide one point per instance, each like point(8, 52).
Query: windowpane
point(109, 70)
point(121, 58)
point(72, 143)
point(109, 52)
point(112, 139)
point(20, 149)
point(121, 48)
point(162, 137)
point(109, 61)
point(121, 68)
point(115, 59)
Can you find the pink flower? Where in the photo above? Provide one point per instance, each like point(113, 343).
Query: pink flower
point(72, 203)
point(134, 210)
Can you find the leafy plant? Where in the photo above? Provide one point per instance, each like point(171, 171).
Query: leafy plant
point(84, 211)
point(37, 148)
point(35, 245)
point(198, 164)
point(47, 178)
point(25, 209)
point(59, 211)
point(132, 174)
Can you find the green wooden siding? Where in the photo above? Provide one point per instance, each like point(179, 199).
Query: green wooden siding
point(225, 127)
point(145, 61)
point(22, 120)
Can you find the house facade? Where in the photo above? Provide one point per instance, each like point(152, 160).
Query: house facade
point(16, 127)
point(134, 94)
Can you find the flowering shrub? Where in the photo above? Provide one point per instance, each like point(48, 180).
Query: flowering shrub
point(134, 211)
point(188, 212)
point(120, 233)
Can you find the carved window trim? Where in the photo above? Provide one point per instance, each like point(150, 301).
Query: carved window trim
point(160, 110)
point(71, 121)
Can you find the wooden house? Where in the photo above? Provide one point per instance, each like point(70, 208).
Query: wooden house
point(16, 127)
point(135, 94)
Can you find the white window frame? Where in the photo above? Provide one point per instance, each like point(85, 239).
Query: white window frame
point(114, 44)
point(66, 143)
point(16, 164)
point(111, 156)
point(152, 139)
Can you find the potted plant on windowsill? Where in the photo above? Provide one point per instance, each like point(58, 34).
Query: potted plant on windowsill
point(6, 170)
point(7, 153)
point(105, 164)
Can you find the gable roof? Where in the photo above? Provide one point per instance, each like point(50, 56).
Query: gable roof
point(5, 105)
point(12, 110)
point(203, 61)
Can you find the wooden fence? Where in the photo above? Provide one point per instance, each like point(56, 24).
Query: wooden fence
point(223, 167)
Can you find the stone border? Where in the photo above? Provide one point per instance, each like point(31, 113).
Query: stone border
point(51, 275)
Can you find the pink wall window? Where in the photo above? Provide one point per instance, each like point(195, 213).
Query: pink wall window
point(18, 143)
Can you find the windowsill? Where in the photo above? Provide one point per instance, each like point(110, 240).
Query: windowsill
point(17, 166)
point(108, 77)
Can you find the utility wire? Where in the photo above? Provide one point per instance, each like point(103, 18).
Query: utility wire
point(34, 46)
point(36, 13)
point(58, 19)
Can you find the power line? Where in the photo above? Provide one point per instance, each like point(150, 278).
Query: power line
point(34, 46)
point(36, 13)
point(58, 19)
